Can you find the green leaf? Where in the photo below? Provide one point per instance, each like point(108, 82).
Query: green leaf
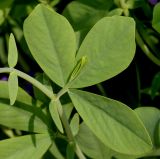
point(150, 117)
point(100, 3)
point(85, 13)
point(53, 108)
point(80, 35)
point(67, 108)
point(5, 3)
point(94, 148)
point(22, 96)
point(26, 147)
point(132, 4)
point(2, 18)
point(79, 66)
point(117, 11)
point(115, 124)
point(13, 87)
point(55, 151)
point(74, 124)
point(47, 82)
point(12, 52)
point(91, 145)
point(156, 17)
point(23, 115)
point(41, 77)
point(52, 43)
point(70, 150)
point(109, 48)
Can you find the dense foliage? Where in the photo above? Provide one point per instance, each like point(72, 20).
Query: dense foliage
point(79, 79)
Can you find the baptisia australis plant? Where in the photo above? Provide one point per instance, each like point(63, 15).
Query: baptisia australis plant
point(83, 14)
point(108, 128)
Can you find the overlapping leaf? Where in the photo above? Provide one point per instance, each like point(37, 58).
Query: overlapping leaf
point(150, 116)
point(109, 48)
point(12, 52)
point(91, 145)
point(26, 147)
point(22, 96)
point(115, 124)
point(53, 109)
point(132, 4)
point(83, 14)
point(156, 18)
point(94, 148)
point(41, 77)
point(74, 124)
point(67, 108)
point(52, 43)
point(23, 115)
point(13, 87)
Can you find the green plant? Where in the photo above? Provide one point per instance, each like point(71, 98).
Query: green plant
point(12, 15)
point(109, 127)
point(83, 14)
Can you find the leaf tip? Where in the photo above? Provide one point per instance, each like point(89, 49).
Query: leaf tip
point(12, 51)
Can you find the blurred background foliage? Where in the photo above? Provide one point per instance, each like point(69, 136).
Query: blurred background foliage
point(138, 85)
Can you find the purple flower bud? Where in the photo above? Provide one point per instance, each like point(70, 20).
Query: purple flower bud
point(153, 2)
point(4, 78)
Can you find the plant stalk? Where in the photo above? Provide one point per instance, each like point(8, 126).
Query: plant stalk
point(52, 96)
point(140, 41)
point(101, 89)
point(29, 79)
point(146, 50)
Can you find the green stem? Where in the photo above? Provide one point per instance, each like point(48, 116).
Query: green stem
point(29, 79)
point(68, 129)
point(52, 97)
point(54, 3)
point(79, 152)
point(124, 7)
point(143, 46)
point(145, 49)
point(62, 91)
point(66, 124)
point(101, 89)
point(138, 84)
point(122, 3)
point(65, 121)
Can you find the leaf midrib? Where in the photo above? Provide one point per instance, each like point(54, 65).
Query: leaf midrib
point(119, 122)
point(53, 46)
